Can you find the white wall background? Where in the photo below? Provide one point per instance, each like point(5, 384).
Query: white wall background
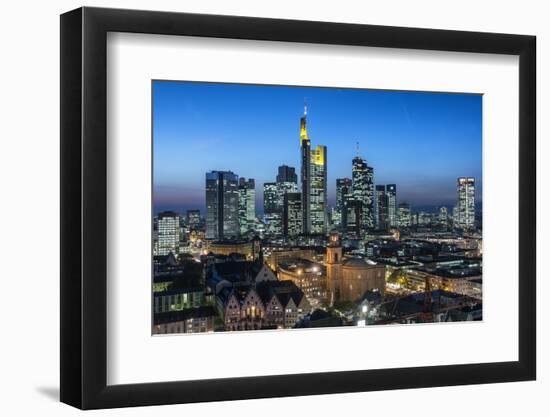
point(29, 213)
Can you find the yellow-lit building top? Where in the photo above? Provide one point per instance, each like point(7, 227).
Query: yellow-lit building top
point(303, 130)
point(318, 155)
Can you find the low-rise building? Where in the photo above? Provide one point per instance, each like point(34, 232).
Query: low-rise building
point(262, 305)
point(249, 248)
point(309, 276)
point(178, 299)
point(190, 320)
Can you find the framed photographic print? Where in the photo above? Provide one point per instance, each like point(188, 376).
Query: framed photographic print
point(257, 208)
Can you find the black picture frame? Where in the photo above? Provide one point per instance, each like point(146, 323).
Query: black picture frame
point(84, 207)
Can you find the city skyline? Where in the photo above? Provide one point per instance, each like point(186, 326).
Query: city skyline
point(339, 242)
point(196, 118)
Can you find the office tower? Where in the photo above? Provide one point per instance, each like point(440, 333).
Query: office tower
point(351, 215)
point(382, 221)
point(193, 218)
point(443, 216)
point(466, 202)
point(343, 188)
point(272, 208)
point(168, 235)
point(363, 191)
point(287, 182)
point(292, 214)
point(222, 205)
point(247, 204)
point(404, 215)
point(305, 173)
point(318, 199)
point(391, 194)
point(287, 174)
point(313, 183)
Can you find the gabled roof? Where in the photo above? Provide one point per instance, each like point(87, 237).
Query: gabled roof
point(285, 291)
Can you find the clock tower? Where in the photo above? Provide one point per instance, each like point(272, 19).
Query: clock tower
point(333, 262)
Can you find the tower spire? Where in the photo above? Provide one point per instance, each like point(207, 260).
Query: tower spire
point(303, 129)
point(357, 148)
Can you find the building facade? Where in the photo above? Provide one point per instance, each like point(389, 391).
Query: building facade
point(466, 202)
point(305, 173)
point(318, 199)
point(193, 218)
point(391, 194)
point(382, 218)
point(363, 192)
point(287, 174)
point(247, 204)
point(404, 215)
point(222, 205)
point(343, 189)
point(313, 183)
point(333, 264)
point(272, 209)
point(292, 214)
point(168, 234)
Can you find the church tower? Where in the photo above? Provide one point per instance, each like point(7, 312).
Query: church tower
point(333, 263)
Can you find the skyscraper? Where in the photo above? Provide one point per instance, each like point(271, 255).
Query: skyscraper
point(382, 221)
point(273, 208)
point(391, 194)
point(443, 216)
point(318, 199)
point(247, 204)
point(305, 173)
point(168, 236)
point(466, 202)
point(314, 183)
point(404, 215)
point(287, 174)
point(363, 191)
point(292, 214)
point(287, 182)
point(343, 188)
point(351, 215)
point(222, 205)
point(193, 218)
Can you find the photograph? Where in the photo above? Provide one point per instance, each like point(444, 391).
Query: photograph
point(299, 207)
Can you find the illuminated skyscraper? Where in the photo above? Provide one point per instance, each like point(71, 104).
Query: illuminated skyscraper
point(222, 205)
point(404, 215)
point(292, 214)
point(247, 204)
point(466, 202)
point(351, 215)
point(305, 172)
point(443, 216)
point(363, 191)
point(382, 221)
point(193, 218)
point(343, 188)
point(168, 237)
point(273, 208)
point(318, 199)
point(391, 194)
point(314, 183)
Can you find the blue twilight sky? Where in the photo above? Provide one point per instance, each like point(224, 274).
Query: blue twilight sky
point(420, 141)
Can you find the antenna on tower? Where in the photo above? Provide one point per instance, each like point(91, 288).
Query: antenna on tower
point(305, 106)
point(357, 148)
